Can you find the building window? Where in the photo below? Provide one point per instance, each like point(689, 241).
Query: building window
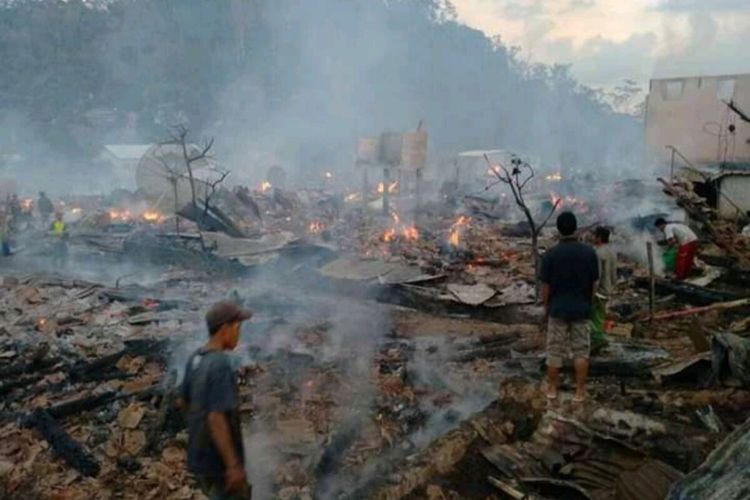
point(725, 89)
point(672, 89)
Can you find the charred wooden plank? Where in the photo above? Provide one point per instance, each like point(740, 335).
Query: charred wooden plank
point(63, 445)
point(76, 406)
point(105, 368)
point(696, 295)
point(25, 368)
point(21, 382)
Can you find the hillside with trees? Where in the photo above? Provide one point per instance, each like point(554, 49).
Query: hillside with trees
point(298, 81)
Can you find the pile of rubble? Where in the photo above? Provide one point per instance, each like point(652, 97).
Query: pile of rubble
point(387, 359)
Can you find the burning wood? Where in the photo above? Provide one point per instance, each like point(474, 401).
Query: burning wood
point(152, 216)
point(398, 229)
point(265, 187)
point(569, 203)
point(120, 215)
point(392, 187)
point(316, 227)
point(457, 230)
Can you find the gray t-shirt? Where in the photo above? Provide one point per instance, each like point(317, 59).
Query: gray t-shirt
point(607, 269)
point(210, 386)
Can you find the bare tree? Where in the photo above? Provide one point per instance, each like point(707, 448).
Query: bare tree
point(517, 178)
point(179, 137)
point(173, 177)
point(190, 156)
point(212, 187)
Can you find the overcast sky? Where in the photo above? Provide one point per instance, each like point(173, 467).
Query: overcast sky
point(608, 41)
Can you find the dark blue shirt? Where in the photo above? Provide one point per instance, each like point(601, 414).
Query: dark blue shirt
point(210, 386)
point(570, 269)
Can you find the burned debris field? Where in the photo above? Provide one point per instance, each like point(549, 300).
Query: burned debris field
point(384, 359)
point(374, 249)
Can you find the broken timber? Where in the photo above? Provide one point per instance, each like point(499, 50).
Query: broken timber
point(63, 445)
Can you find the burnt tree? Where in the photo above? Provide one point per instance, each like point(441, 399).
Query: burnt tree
point(517, 178)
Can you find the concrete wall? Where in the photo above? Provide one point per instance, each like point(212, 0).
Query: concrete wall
point(688, 114)
point(737, 189)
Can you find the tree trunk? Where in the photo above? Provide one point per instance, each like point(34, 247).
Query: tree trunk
point(537, 264)
point(176, 206)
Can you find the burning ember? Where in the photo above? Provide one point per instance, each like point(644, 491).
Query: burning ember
point(152, 216)
point(456, 229)
point(392, 188)
point(116, 215)
point(409, 233)
point(265, 186)
point(569, 203)
point(27, 204)
point(556, 177)
point(316, 227)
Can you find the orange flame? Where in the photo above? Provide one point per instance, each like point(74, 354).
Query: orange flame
point(352, 197)
point(120, 215)
point(569, 202)
point(392, 187)
point(409, 233)
point(456, 229)
point(316, 227)
point(265, 186)
point(555, 177)
point(152, 216)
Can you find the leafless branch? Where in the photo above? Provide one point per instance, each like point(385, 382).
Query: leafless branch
point(549, 216)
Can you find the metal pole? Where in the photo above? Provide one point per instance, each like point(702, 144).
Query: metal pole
point(652, 280)
point(671, 165)
point(418, 189)
point(365, 187)
point(386, 191)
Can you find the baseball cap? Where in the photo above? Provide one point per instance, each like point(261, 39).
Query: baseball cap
point(225, 312)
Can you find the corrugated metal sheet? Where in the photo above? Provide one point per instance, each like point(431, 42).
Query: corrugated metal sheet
point(723, 476)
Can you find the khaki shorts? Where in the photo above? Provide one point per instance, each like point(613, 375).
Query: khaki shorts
point(567, 335)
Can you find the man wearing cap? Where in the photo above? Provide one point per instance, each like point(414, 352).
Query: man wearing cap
point(569, 274)
point(209, 392)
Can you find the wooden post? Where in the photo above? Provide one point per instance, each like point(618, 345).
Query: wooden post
point(418, 190)
point(365, 187)
point(652, 280)
point(386, 191)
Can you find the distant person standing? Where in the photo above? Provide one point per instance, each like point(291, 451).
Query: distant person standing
point(685, 240)
point(569, 274)
point(607, 281)
point(209, 392)
point(5, 233)
point(45, 207)
point(14, 206)
point(59, 234)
